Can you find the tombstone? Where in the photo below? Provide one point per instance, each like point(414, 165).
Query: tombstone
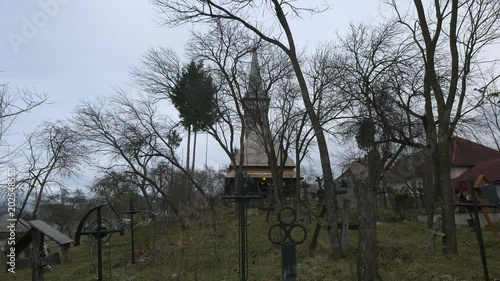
point(282, 234)
point(35, 236)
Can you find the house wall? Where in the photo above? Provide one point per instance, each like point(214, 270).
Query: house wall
point(401, 185)
point(456, 171)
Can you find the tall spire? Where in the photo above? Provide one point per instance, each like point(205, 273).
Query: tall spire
point(255, 85)
point(256, 100)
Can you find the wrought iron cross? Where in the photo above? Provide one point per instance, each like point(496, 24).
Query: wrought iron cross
point(131, 212)
point(288, 234)
point(242, 198)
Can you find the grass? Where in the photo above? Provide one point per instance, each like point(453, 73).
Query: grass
point(195, 252)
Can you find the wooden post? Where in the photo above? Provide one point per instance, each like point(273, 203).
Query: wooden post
point(36, 259)
point(345, 227)
point(317, 228)
point(64, 252)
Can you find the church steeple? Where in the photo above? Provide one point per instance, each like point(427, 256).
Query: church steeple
point(255, 84)
point(256, 100)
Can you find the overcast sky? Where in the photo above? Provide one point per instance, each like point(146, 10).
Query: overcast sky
point(78, 50)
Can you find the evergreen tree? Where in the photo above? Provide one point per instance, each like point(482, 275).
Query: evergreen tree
point(194, 97)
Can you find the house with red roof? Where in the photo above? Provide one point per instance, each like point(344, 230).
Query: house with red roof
point(489, 169)
point(468, 159)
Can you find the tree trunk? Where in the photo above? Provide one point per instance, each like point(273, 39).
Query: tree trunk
point(277, 185)
point(187, 182)
point(367, 261)
point(430, 164)
point(428, 189)
point(144, 192)
point(298, 184)
point(332, 207)
point(194, 149)
point(37, 203)
point(318, 130)
point(447, 196)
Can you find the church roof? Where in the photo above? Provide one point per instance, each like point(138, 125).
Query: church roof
point(256, 107)
point(255, 153)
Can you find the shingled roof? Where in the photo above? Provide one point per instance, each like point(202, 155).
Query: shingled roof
point(462, 153)
point(255, 154)
point(468, 153)
point(255, 84)
point(490, 169)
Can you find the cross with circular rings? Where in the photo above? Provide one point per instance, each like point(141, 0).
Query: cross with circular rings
point(286, 231)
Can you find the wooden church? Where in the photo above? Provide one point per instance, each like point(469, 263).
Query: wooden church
point(257, 175)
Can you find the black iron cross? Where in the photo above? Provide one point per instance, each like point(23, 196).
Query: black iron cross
point(242, 198)
point(99, 233)
point(283, 234)
point(131, 212)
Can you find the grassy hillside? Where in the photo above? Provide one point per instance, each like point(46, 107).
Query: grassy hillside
point(195, 252)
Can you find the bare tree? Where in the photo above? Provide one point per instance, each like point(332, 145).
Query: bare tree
point(136, 135)
point(323, 77)
point(490, 113)
point(224, 50)
point(113, 133)
point(166, 176)
point(365, 61)
point(179, 12)
point(211, 180)
point(64, 208)
point(222, 53)
point(458, 32)
point(53, 151)
point(12, 105)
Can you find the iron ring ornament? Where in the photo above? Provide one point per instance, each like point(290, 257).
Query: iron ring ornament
point(288, 231)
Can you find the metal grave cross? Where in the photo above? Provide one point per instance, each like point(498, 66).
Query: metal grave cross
point(242, 198)
point(131, 212)
point(283, 234)
point(99, 232)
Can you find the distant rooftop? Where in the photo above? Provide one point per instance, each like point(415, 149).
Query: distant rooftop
point(462, 153)
point(22, 225)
